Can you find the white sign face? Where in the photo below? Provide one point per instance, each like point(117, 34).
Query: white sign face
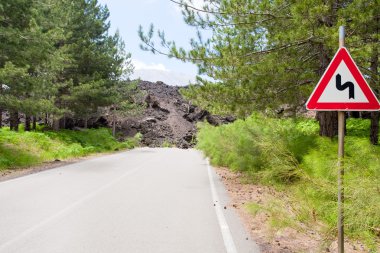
point(348, 84)
point(342, 88)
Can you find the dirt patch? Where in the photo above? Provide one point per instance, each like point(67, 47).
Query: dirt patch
point(271, 221)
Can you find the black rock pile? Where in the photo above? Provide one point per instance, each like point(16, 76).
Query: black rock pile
point(168, 118)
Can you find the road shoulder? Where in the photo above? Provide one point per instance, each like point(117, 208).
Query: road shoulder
point(271, 224)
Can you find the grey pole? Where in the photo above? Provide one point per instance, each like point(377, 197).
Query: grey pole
point(341, 123)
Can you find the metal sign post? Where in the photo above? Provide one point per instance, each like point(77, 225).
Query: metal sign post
point(342, 88)
point(341, 127)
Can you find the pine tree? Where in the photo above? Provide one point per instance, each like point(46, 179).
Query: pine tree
point(59, 59)
point(128, 100)
point(262, 55)
point(14, 23)
point(364, 45)
point(26, 67)
point(99, 58)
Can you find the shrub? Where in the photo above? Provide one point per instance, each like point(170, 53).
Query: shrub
point(290, 155)
point(20, 149)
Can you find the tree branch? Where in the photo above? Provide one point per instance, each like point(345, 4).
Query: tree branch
point(226, 13)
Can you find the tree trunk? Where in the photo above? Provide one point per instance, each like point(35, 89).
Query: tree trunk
point(64, 122)
point(55, 124)
point(354, 114)
point(34, 124)
point(46, 119)
point(374, 132)
point(1, 109)
point(374, 136)
point(27, 122)
point(114, 126)
point(13, 120)
point(85, 122)
point(328, 123)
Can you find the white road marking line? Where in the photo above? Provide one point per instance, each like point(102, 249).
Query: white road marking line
point(224, 228)
point(72, 206)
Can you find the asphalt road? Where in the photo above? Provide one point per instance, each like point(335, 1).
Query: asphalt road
point(143, 201)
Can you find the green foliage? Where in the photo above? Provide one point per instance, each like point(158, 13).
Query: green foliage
point(290, 155)
point(127, 100)
point(254, 144)
point(21, 149)
point(253, 208)
point(99, 62)
point(262, 55)
point(133, 142)
point(167, 144)
point(58, 57)
point(278, 217)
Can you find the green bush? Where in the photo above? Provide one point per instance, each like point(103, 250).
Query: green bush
point(290, 155)
point(167, 144)
point(20, 149)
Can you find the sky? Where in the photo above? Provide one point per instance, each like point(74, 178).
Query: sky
point(127, 15)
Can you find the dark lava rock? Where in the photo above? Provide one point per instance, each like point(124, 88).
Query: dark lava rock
point(168, 118)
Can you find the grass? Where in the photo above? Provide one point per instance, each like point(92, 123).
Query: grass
point(167, 144)
point(278, 216)
point(291, 156)
point(23, 149)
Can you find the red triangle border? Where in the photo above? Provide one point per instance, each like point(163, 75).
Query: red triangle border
point(342, 55)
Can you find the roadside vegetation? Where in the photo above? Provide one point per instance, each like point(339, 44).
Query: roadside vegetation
point(290, 155)
point(28, 148)
point(61, 63)
point(167, 144)
point(267, 56)
point(61, 66)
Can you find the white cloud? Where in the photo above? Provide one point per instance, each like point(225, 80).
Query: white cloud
point(168, 77)
point(139, 65)
point(159, 72)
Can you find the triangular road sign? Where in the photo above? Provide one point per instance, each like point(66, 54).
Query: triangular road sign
point(342, 88)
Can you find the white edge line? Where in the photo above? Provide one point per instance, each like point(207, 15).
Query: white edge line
point(224, 228)
point(70, 207)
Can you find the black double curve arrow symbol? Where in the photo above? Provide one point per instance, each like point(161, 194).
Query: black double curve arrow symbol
point(349, 85)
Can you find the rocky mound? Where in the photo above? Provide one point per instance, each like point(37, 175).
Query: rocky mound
point(168, 118)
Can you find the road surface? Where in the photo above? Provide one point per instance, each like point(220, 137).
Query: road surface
point(143, 201)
